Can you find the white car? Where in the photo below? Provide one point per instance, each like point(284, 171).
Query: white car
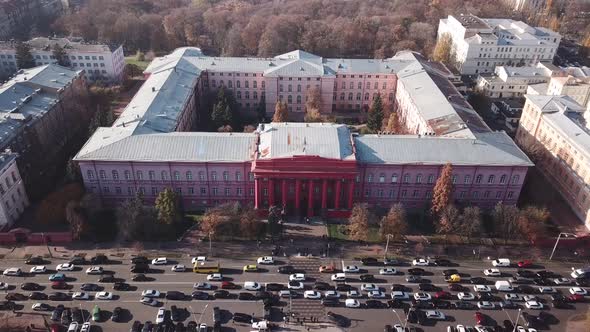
point(482, 288)
point(160, 316)
point(202, 285)
point(266, 260)
point(103, 296)
point(13, 271)
point(398, 328)
point(150, 293)
point(492, 272)
point(94, 270)
point(388, 271)
point(202, 327)
point(352, 303)
point(40, 307)
point(353, 293)
point(547, 290)
point(178, 268)
point(530, 298)
point(252, 286)
point(338, 277)
point(311, 294)
point(38, 269)
point(160, 261)
point(149, 301)
point(533, 305)
point(369, 287)
point(421, 296)
point(435, 315)
point(578, 291)
point(85, 327)
point(485, 305)
point(295, 285)
point(501, 262)
point(287, 294)
point(65, 267)
point(331, 294)
point(376, 294)
point(465, 296)
point(215, 277)
point(3, 286)
point(297, 277)
point(198, 259)
point(398, 295)
point(420, 262)
point(513, 297)
point(351, 269)
point(80, 296)
point(73, 327)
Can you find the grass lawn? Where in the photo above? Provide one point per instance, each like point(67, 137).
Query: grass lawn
point(339, 232)
point(133, 61)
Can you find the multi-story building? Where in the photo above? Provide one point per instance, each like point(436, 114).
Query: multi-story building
point(509, 112)
point(573, 82)
point(42, 112)
point(13, 197)
point(100, 62)
point(511, 81)
point(307, 168)
point(481, 44)
point(556, 129)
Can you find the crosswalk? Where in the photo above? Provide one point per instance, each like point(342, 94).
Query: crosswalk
point(304, 308)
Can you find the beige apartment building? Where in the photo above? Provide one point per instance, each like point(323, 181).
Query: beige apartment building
point(556, 128)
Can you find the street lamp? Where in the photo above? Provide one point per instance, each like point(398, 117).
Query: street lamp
point(210, 249)
point(387, 246)
point(400, 320)
point(557, 242)
point(509, 318)
point(517, 318)
point(201, 317)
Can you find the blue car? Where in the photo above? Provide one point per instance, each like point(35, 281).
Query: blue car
point(57, 277)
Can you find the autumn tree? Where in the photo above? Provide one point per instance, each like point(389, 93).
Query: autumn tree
point(443, 190)
point(394, 222)
point(314, 99)
point(129, 215)
point(375, 116)
point(261, 110)
point(443, 51)
point(393, 125)
point(358, 223)
point(167, 206)
point(312, 115)
point(281, 112)
point(211, 221)
point(76, 219)
point(449, 220)
point(249, 223)
point(60, 56)
point(532, 222)
point(24, 58)
point(275, 227)
point(470, 223)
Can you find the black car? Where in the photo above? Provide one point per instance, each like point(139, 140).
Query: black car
point(242, 318)
point(15, 297)
point(525, 274)
point(442, 262)
point(561, 304)
point(65, 317)
point(427, 287)
point(422, 305)
point(56, 314)
point(478, 281)
point(59, 296)
point(199, 295)
point(370, 261)
point(508, 326)
point(485, 296)
point(121, 286)
point(344, 287)
point(216, 315)
point(526, 289)
point(140, 277)
point(179, 327)
point(90, 287)
point(245, 296)
point(107, 278)
point(78, 261)
point(37, 296)
point(30, 286)
point(330, 302)
point(77, 315)
point(366, 277)
point(520, 280)
point(174, 313)
point(337, 319)
point(414, 279)
point(395, 304)
point(416, 271)
point(463, 305)
point(139, 260)
point(286, 269)
point(191, 326)
point(6, 305)
point(374, 304)
point(147, 327)
point(274, 287)
point(456, 287)
point(320, 285)
point(412, 316)
point(136, 326)
point(99, 259)
point(263, 295)
point(139, 268)
point(439, 304)
point(391, 262)
point(557, 297)
point(37, 260)
point(508, 305)
point(546, 274)
point(221, 294)
point(175, 295)
point(116, 316)
point(542, 282)
point(449, 272)
point(398, 288)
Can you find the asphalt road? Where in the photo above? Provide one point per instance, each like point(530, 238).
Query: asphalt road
point(360, 319)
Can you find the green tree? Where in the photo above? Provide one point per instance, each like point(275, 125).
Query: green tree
point(375, 117)
point(24, 58)
point(167, 206)
point(223, 109)
point(73, 172)
point(443, 190)
point(129, 215)
point(60, 55)
point(394, 222)
point(281, 112)
point(505, 218)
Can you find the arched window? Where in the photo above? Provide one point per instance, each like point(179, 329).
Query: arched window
point(246, 84)
point(289, 88)
point(350, 96)
point(238, 176)
point(201, 176)
point(177, 175)
point(255, 84)
point(229, 84)
point(381, 178)
point(255, 95)
point(127, 175)
point(247, 94)
point(342, 96)
point(289, 99)
point(115, 175)
point(515, 179)
point(237, 84)
point(367, 96)
point(298, 99)
point(102, 174)
point(139, 175)
point(368, 85)
point(375, 96)
point(503, 179)
point(164, 175)
point(370, 178)
point(298, 87)
point(358, 96)
point(263, 85)
point(225, 176)
point(189, 175)
point(152, 175)
point(90, 175)
point(491, 179)
point(478, 178)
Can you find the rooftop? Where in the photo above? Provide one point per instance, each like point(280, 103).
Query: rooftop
point(68, 44)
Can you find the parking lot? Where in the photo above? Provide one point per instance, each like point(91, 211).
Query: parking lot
point(297, 309)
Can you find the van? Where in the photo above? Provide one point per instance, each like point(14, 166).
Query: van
point(501, 262)
point(13, 271)
point(252, 286)
point(504, 286)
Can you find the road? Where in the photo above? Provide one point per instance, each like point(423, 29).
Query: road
point(360, 319)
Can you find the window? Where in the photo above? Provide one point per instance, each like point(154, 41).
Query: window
point(251, 191)
point(214, 191)
point(370, 178)
point(154, 191)
point(382, 178)
point(203, 191)
point(255, 84)
point(189, 175)
point(90, 175)
point(191, 191)
point(350, 96)
point(416, 193)
point(358, 96)
point(127, 175)
point(152, 175)
point(255, 95)
point(229, 84)
point(478, 179)
point(419, 178)
point(238, 176)
point(213, 176)
point(177, 175)
point(106, 190)
point(486, 194)
point(238, 84)
point(142, 190)
point(342, 96)
point(250, 176)
point(475, 194)
point(118, 190)
point(394, 178)
point(454, 179)
point(225, 176)
point(367, 95)
point(289, 99)
point(239, 192)
point(503, 179)
point(263, 85)
point(139, 175)
point(467, 179)
point(515, 179)
point(462, 194)
point(404, 193)
point(227, 192)
point(491, 179)
point(201, 176)
point(265, 191)
point(102, 173)
point(498, 194)
point(367, 192)
point(164, 176)
point(430, 178)
point(115, 175)
point(510, 194)
point(407, 178)
point(178, 190)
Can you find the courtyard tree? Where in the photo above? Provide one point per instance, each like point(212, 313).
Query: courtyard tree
point(449, 220)
point(223, 113)
point(60, 55)
point(249, 223)
point(313, 99)
point(281, 112)
point(394, 222)
point(129, 215)
point(393, 125)
point(375, 116)
point(470, 222)
point(312, 115)
point(167, 206)
point(505, 219)
point(24, 58)
point(358, 223)
point(443, 189)
point(443, 51)
point(211, 221)
point(532, 222)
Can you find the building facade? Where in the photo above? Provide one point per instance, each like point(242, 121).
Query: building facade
point(481, 44)
point(13, 197)
point(100, 62)
point(556, 128)
point(511, 81)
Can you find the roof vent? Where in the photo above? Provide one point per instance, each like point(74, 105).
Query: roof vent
point(153, 89)
point(213, 63)
point(270, 64)
point(301, 69)
point(340, 65)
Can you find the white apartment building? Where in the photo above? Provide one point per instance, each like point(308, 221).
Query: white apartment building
point(520, 5)
point(559, 125)
point(100, 62)
point(481, 44)
point(573, 82)
point(13, 198)
point(511, 82)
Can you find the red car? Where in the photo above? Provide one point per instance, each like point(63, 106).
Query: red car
point(525, 263)
point(59, 285)
point(480, 318)
point(442, 295)
point(576, 298)
point(228, 285)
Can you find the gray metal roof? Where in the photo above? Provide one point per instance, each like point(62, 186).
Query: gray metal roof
point(177, 147)
point(490, 149)
point(47, 44)
point(326, 140)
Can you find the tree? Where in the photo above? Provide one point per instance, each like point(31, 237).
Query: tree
point(281, 112)
point(443, 189)
point(261, 110)
point(393, 125)
point(314, 99)
point(375, 117)
point(60, 56)
point(312, 115)
point(167, 206)
point(211, 221)
point(249, 223)
point(76, 219)
point(223, 110)
point(443, 51)
point(129, 214)
point(394, 222)
point(470, 222)
point(449, 220)
point(505, 218)
point(24, 58)
point(358, 223)
point(73, 171)
point(531, 222)
point(275, 226)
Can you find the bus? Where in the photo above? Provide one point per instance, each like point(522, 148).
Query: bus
point(96, 313)
point(206, 267)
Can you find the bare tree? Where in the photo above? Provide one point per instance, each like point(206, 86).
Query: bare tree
point(470, 222)
point(449, 220)
point(505, 219)
point(394, 222)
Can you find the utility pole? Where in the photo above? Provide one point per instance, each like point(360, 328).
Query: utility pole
point(387, 247)
point(557, 242)
point(210, 247)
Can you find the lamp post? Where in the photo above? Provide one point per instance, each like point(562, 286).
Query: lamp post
point(400, 320)
point(509, 318)
point(201, 316)
point(210, 248)
point(387, 245)
point(517, 318)
point(557, 242)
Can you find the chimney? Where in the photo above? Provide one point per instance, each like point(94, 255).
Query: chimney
point(153, 89)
